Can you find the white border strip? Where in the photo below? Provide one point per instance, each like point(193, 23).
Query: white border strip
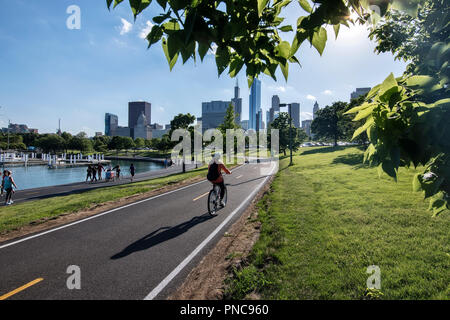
point(104, 213)
point(157, 290)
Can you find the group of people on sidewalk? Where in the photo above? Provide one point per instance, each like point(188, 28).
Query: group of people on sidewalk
point(96, 170)
point(7, 186)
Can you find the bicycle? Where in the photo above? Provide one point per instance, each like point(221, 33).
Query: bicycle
point(214, 200)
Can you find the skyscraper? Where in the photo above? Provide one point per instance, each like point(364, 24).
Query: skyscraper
point(294, 112)
point(134, 111)
point(237, 103)
point(255, 103)
point(213, 114)
point(315, 109)
point(259, 120)
point(111, 124)
point(142, 128)
point(274, 110)
point(359, 92)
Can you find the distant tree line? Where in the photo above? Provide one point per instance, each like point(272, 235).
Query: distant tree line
point(332, 124)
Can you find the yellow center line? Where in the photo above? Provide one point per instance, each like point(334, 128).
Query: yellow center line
point(32, 283)
point(239, 176)
point(199, 197)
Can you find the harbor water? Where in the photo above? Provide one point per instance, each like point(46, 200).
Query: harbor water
point(41, 176)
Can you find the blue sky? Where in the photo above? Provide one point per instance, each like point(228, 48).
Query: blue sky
point(49, 72)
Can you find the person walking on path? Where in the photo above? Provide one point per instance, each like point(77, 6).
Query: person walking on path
point(5, 173)
point(89, 173)
point(100, 168)
point(132, 171)
point(117, 168)
point(94, 174)
point(7, 185)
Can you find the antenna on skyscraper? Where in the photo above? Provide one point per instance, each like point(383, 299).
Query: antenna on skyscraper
point(59, 127)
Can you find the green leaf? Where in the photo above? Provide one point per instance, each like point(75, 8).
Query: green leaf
point(319, 40)
point(388, 84)
point(222, 59)
point(155, 35)
point(285, 69)
point(203, 49)
point(283, 50)
point(336, 28)
point(369, 153)
point(363, 128)
point(287, 28)
point(171, 26)
point(188, 51)
point(372, 134)
point(116, 3)
point(389, 168)
point(162, 3)
point(161, 18)
point(305, 5)
point(261, 5)
point(420, 81)
point(361, 107)
point(395, 157)
point(235, 66)
point(364, 113)
point(172, 60)
point(137, 6)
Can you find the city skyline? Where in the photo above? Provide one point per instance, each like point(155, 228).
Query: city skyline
point(101, 67)
point(264, 111)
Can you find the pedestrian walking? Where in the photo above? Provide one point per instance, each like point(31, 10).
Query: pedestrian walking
point(5, 173)
point(89, 173)
point(94, 174)
point(132, 171)
point(100, 168)
point(117, 168)
point(7, 185)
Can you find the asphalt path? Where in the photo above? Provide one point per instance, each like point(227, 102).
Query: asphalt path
point(66, 189)
point(140, 251)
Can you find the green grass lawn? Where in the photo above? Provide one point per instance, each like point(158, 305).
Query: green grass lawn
point(18, 215)
point(328, 218)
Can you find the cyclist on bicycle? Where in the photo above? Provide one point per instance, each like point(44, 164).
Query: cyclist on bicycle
point(214, 176)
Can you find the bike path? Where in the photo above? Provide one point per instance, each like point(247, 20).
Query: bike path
point(143, 250)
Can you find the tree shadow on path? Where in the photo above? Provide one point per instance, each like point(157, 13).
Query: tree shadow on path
point(161, 235)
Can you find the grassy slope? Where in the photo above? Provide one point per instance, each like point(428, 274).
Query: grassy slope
point(329, 218)
point(18, 215)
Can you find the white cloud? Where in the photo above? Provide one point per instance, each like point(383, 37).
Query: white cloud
point(327, 92)
point(146, 30)
point(311, 97)
point(126, 27)
point(280, 89)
